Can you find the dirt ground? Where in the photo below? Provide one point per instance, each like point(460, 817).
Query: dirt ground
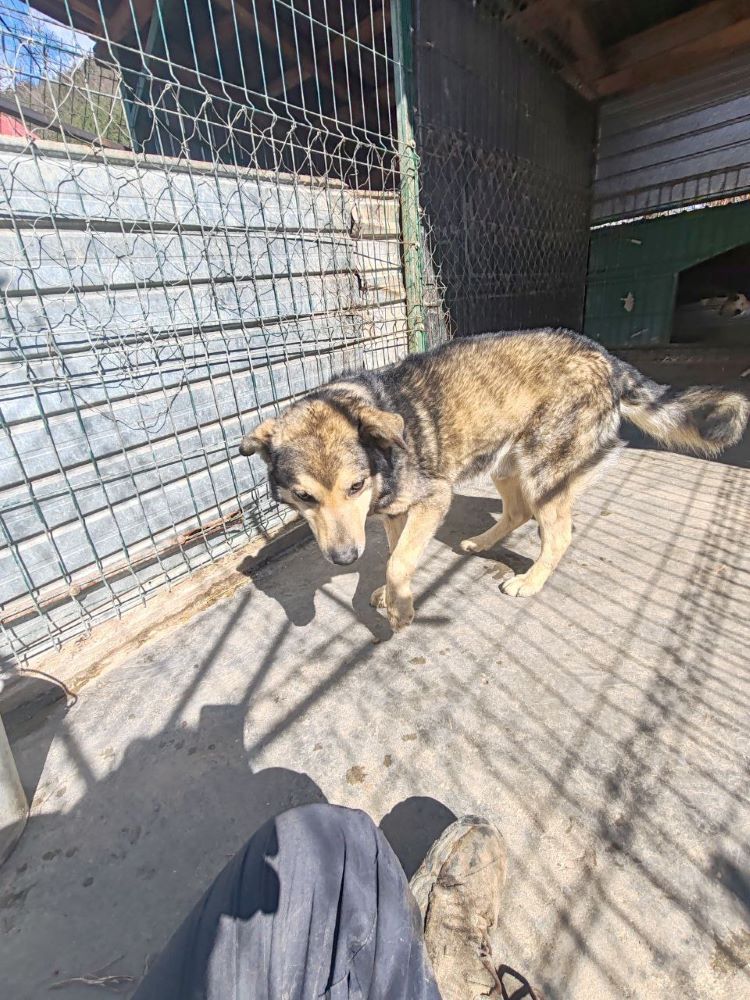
point(603, 725)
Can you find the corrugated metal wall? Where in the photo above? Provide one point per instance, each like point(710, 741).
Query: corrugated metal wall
point(153, 309)
point(506, 154)
point(675, 144)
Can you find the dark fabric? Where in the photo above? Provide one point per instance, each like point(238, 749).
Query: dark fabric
point(315, 905)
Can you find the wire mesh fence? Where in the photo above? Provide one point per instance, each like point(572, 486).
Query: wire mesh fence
point(523, 261)
point(209, 208)
point(53, 86)
point(200, 222)
point(506, 154)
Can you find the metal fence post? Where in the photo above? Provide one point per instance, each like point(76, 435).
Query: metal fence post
point(14, 809)
point(401, 26)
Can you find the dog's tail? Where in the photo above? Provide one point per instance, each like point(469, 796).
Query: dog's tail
point(702, 419)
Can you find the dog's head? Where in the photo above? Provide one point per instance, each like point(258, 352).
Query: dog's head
point(735, 305)
point(325, 458)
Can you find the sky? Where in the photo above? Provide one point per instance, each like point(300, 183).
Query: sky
point(23, 31)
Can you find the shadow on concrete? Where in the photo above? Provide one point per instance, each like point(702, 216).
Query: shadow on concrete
point(296, 590)
point(413, 826)
point(43, 711)
point(587, 739)
point(471, 515)
point(171, 813)
point(177, 807)
point(733, 878)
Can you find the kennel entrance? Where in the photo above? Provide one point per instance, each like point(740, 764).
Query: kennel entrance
point(635, 268)
point(712, 301)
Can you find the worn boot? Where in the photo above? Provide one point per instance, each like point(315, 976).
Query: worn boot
point(458, 889)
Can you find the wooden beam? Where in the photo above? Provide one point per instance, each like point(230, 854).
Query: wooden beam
point(582, 39)
point(384, 92)
point(83, 15)
point(535, 16)
point(120, 21)
point(676, 61)
point(265, 27)
point(680, 30)
point(562, 29)
point(225, 33)
point(326, 55)
point(668, 50)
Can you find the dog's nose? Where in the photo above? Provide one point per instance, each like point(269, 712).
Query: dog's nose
point(343, 556)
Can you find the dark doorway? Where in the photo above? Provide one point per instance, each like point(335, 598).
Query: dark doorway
point(712, 304)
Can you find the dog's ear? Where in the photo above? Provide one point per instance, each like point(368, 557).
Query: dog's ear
point(258, 441)
point(385, 428)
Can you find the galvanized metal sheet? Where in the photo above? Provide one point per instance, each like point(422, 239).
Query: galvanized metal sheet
point(153, 312)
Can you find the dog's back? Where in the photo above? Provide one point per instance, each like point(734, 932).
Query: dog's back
point(554, 396)
point(541, 401)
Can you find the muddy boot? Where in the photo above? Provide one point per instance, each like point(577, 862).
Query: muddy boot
point(458, 889)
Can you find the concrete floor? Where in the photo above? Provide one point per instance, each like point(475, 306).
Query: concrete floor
point(603, 725)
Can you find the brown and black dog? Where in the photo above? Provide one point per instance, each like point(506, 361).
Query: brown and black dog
point(539, 411)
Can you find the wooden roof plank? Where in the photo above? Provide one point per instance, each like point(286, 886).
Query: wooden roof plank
point(681, 59)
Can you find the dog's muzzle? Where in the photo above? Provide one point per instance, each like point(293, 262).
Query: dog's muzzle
point(343, 556)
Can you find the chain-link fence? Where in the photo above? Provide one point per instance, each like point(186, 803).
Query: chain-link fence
point(52, 86)
point(209, 208)
point(200, 222)
point(506, 152)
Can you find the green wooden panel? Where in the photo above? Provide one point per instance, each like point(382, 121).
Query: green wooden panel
point(633, 270)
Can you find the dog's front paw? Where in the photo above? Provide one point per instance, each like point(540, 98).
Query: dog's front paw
point(377, 600)
point(475, 544)
point(522, 585)
point(400, 614)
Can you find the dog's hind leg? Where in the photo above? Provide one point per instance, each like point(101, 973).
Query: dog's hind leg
point(393, 528)
point(555, 528)
point(515, 513)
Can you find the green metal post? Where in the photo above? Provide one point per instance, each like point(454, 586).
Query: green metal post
point(411, 227)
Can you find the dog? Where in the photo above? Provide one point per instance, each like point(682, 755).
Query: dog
point(539, 411)
point(730, 304)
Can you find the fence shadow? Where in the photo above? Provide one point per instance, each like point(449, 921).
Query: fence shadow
point(589, 717)
point(177, 806)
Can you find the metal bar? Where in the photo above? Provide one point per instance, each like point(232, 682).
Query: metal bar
point(401, 22)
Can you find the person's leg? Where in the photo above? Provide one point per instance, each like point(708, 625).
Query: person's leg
point(315, 905)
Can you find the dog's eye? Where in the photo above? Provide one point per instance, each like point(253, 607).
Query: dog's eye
point(356, 488)
point(304, 497)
